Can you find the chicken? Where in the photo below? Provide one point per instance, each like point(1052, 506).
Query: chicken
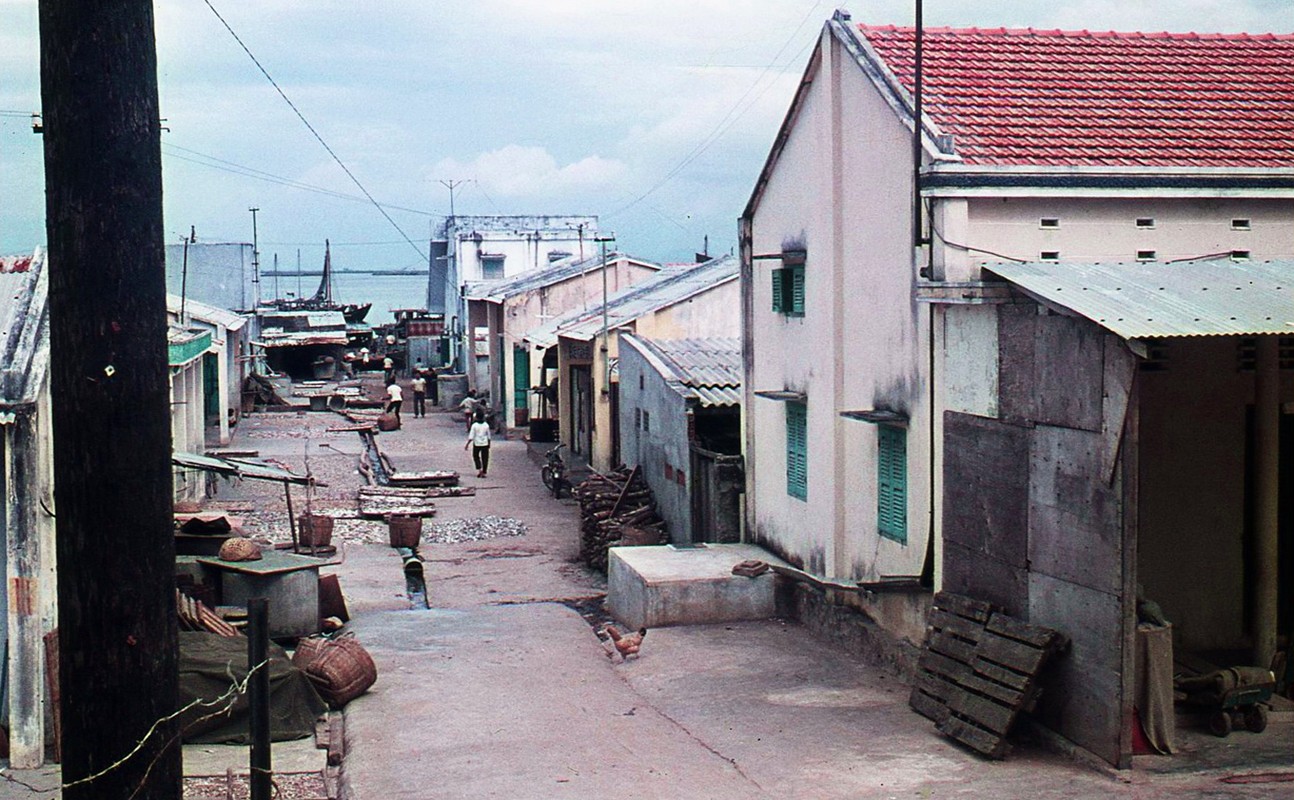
point(627, 644)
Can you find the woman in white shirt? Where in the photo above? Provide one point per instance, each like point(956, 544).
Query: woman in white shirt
point(478, 438)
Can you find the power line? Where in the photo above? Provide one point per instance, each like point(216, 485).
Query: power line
point(203, 159)
point(725, 124)
point(312, 130)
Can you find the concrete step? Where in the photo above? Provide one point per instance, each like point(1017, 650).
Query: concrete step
point(650, 587)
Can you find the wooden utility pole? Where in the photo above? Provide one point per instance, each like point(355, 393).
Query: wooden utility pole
point(111, 400)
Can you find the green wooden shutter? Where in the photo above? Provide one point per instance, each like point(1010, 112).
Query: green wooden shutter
point(797, 291)
point(778, 299)
point(797, 450)
point(892, 483)
point(521, 379)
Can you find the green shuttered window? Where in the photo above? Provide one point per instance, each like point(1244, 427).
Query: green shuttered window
point(797, 451)
point(892, 483)
point(788, 290)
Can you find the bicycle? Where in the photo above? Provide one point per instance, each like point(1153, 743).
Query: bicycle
point(553, 473)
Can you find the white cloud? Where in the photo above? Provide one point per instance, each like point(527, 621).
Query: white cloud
point(518, 171)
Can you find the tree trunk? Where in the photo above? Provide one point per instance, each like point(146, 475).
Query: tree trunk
point(108, 373)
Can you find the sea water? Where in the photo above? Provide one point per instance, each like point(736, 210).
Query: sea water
point(385, 292)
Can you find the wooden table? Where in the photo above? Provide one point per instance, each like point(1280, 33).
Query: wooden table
point(290, 582)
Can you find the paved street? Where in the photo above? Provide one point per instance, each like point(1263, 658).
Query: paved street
point(502, 689)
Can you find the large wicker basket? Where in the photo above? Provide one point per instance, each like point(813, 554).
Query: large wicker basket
point(340, 669)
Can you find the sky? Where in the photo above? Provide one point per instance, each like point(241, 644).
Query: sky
point(656, 116)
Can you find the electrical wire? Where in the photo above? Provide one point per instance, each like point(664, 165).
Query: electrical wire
point(930, 218)
point(212, 162)
point(729, 120)
point(312, 130)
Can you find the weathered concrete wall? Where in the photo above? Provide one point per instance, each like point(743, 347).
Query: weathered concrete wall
point(654, 436)
point(1034, 510)
point(218, 274)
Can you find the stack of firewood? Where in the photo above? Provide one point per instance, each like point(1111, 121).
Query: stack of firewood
point(616, 509)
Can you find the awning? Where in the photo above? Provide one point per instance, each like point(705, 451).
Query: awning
point(877, 416)
point(1159, 299)
point(783, 395)
point(241, 469)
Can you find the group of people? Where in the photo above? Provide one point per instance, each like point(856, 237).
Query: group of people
point(475, 410)
point(422, 379)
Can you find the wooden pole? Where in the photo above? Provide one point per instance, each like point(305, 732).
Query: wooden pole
point(258, 697)
point(111, 399)
point(1267, 418)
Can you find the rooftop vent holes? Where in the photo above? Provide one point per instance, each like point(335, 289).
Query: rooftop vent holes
point(1240, 224)
point(1146, 223)
point(1049, 223)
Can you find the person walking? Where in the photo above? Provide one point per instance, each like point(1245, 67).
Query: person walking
point(395, 396)
point(478, 438)
point(468, 407)
point(419, 386)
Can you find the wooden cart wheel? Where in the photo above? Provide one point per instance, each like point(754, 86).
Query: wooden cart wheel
point(1256, 719)
point(1220, 723)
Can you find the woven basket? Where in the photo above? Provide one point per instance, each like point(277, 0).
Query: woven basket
point(406, 531)
point(314, 530)
point(237, 549)
point(340, 669)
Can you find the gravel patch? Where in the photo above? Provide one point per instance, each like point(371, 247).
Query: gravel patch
point(286, 786)
point(472, 529)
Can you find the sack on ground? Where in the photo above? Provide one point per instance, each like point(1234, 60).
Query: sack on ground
point(388, 422)
point(340, 669)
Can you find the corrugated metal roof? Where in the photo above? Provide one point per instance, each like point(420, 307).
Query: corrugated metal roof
point(24, 327)
point(205, 313)
point(709, 369)
point(554, 273)
point(241, 468)
point(1152, 299)
point(664, 289)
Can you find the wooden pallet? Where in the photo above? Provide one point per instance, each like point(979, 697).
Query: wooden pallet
point(978, 671)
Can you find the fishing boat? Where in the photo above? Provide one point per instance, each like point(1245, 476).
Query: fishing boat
point(322, 299)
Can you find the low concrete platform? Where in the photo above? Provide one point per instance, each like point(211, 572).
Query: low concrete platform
point(650, 587)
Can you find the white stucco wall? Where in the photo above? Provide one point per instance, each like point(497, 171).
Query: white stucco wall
point(861, 343)
point(1105, 228)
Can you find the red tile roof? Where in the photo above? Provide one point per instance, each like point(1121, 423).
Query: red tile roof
point(1079, 98)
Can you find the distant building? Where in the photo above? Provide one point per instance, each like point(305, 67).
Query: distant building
point(218, 274)
point(507, 310)
point(225, 365)
point(696, 301)
point(680, 422)
point(472, 249)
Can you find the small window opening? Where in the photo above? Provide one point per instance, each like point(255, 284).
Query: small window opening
point(1145, 223)
point(1049, 255)
point(1156, 359)
point(1145, 255)
point(1247, 354)
point(1240, 224)
point(1239, 255)
point(1049, 222)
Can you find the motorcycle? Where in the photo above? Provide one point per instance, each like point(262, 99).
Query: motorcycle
point(553, 473)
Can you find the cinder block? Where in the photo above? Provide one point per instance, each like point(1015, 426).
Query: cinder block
point(650, 587)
